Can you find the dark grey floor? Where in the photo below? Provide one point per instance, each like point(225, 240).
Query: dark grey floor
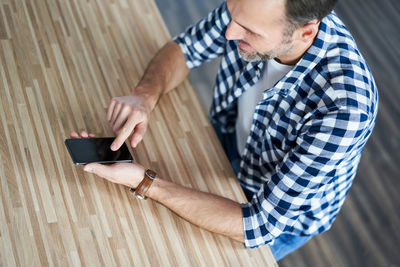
point(367, 230)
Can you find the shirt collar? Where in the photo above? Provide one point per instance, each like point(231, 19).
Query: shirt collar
point(311, 58)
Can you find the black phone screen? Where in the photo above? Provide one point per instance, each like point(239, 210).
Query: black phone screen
point(88, 150)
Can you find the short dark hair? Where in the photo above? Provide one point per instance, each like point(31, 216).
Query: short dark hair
point(300, 12)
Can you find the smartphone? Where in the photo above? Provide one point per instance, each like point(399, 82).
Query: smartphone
point(89, 150)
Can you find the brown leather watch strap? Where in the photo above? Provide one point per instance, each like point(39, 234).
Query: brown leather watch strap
point(144, 185)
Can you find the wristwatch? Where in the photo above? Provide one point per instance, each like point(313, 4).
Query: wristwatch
point(143, 187)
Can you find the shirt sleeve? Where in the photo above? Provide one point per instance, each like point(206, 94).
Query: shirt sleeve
point(205, 40)
point(299, 183)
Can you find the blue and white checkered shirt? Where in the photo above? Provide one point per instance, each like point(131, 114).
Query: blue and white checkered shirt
point(308, 131)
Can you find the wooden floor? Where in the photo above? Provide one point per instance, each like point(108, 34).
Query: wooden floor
point(367, 230)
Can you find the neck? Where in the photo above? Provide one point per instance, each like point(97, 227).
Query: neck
point(297, 52)
point(294, 55)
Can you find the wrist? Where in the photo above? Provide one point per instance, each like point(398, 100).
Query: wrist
point(136, 181)
point(149, 95)
point(155, 191)
point(146, 183)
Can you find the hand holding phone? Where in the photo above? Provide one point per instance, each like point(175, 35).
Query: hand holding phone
point(96, 150)
point(129, 174)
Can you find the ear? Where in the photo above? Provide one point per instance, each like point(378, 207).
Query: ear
point(308, 32)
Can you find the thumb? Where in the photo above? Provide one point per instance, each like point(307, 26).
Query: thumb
point(96, 168)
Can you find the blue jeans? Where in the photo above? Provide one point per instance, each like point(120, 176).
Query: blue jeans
point(283, 244)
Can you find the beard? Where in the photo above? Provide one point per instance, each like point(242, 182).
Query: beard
point(282, 49)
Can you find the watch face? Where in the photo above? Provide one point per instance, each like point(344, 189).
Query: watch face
point(151, 174)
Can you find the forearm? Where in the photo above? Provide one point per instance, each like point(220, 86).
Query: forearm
point(211, 212)
point(165, 71)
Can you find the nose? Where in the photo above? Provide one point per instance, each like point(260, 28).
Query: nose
point(234, 32)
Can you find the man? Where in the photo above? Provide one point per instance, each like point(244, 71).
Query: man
point(294, 99)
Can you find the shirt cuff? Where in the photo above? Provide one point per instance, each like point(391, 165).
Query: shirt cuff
point(255, 231)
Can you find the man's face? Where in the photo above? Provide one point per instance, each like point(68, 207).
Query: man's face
point(260, 28)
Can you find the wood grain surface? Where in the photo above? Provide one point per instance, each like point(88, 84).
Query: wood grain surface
point(60, 64)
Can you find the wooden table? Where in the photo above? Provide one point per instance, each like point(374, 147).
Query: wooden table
point(60, 64)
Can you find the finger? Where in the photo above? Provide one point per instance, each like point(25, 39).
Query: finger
point(116, 111)
point(138, 134)
point(99, 169)
point(92, 135)
point(124, 133)
point(84, 134)
point(74, 135)
point(107, 172)
point(122, 118)
point(118, 125)
point(110, 109)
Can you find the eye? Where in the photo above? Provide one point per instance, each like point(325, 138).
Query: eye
point(252, 34)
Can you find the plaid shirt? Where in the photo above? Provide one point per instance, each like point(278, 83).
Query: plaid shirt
point(308, 131)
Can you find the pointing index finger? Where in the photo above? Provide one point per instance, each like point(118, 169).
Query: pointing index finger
point(126, 130)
